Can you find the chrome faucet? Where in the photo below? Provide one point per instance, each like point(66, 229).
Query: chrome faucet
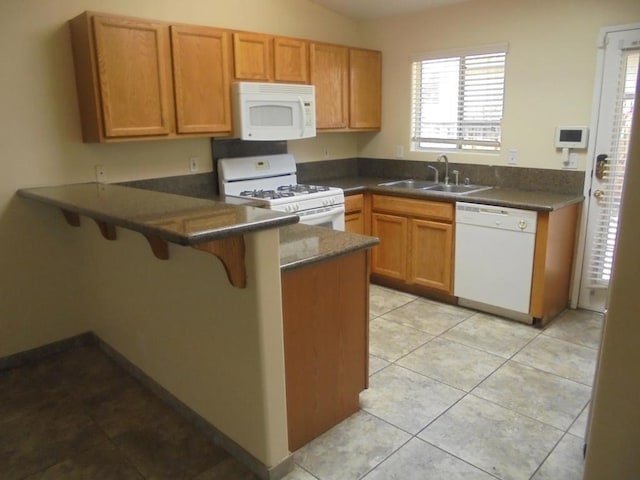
point(442, 156)
point(435, 172)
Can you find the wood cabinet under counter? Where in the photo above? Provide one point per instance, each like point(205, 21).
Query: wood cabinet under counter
point(326, 316)
point(416, 243)
point(325, 304)
point(357, 213)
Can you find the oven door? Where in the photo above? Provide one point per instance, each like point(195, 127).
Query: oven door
point(331, 217)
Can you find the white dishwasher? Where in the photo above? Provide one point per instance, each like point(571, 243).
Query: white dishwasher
point(494, 258)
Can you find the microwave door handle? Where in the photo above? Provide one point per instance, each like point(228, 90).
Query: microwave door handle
point(304, 118)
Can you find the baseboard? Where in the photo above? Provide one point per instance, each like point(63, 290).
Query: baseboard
point(211, 432)
point(501, 312)
point(34, 355)
point(216, 436)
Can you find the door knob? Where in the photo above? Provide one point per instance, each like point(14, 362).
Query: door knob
point(598, 194)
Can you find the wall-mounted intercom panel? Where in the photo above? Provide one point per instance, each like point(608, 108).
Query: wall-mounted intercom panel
point(572, 137)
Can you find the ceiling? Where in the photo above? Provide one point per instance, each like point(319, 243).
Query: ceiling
point(371, 9)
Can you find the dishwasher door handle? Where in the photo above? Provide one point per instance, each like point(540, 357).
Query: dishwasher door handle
point(493, 211)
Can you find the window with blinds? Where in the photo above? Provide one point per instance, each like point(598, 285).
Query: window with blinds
point(457, 101)
point(604, 242)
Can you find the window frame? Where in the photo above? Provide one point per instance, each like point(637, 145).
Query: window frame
point(459, 144)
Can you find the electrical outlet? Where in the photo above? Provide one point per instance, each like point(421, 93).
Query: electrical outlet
point(326, 152)
point(194, 164)
point(101, 174)
point(399, 151)
point(513, 157)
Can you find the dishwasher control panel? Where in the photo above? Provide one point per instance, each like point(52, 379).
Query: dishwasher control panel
point(492, 216)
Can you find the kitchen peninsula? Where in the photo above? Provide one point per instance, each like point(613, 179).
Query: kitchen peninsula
point(219, 342)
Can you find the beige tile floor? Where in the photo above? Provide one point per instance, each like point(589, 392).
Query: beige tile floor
point(454, 394)
point(458, 394)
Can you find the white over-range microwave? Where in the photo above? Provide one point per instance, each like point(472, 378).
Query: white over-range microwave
point(274, 111)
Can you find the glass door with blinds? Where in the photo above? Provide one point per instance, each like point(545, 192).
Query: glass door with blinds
point(617, 100)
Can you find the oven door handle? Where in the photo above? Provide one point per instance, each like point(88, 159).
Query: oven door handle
point(327, 213)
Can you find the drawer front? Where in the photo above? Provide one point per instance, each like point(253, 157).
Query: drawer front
point(413, 208)
point(354, 203)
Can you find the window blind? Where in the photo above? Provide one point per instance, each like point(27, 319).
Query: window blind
point(604, 241)
point(457, 102)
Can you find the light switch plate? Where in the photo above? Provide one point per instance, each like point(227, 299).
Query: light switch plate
point(194, 164)
point(512, 159)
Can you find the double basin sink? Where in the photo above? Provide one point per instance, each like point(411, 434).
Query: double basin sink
point(435, 187)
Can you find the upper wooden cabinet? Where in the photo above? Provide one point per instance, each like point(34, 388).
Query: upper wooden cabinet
point(265, 58)
point(141, 79)
point(329, 72)
point(348, 87)
point(365, 87)
point(133, 68)
point(252, 56)
point(201, 79)
point(291, 60)
point(125, 77)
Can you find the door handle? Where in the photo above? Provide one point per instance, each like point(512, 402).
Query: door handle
point(598, 194)
point(601, 163)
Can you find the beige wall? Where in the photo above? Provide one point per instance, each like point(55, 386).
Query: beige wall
point(549, 76)
point(57, 281)
point(217, 348)
point(40, 257)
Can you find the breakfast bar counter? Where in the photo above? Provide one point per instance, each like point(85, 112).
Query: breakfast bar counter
point(175, 218)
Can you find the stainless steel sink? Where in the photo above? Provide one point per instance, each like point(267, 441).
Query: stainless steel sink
point(435, 187)
point(456, 189)
point(409, 184)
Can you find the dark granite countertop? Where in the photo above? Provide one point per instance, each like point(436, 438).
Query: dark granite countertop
point(505, 197)
point(301, 245)
point(175, 218)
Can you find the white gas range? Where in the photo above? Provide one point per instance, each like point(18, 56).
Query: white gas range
point(271, 180)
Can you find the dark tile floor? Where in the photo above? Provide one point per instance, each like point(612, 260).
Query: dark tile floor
point(78, 415)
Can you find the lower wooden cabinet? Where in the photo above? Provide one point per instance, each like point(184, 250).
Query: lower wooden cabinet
point(432, 254)
point(553, 262)
point(416, 242)
point(326, 343)
point(390, 257)
point(356, 218)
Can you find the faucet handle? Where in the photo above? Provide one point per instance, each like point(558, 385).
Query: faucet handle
point(456, 173)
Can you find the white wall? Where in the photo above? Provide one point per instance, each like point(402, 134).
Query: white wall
point(41, 258)
point(549, 74)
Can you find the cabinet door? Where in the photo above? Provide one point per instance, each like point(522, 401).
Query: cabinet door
point(133, 66)
point(329, 70)
point(365, 84)
point(431, 254)
point(201, 79)
point(354, 223)
point(390, 257)
point(252, 56)
point(291, 60)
